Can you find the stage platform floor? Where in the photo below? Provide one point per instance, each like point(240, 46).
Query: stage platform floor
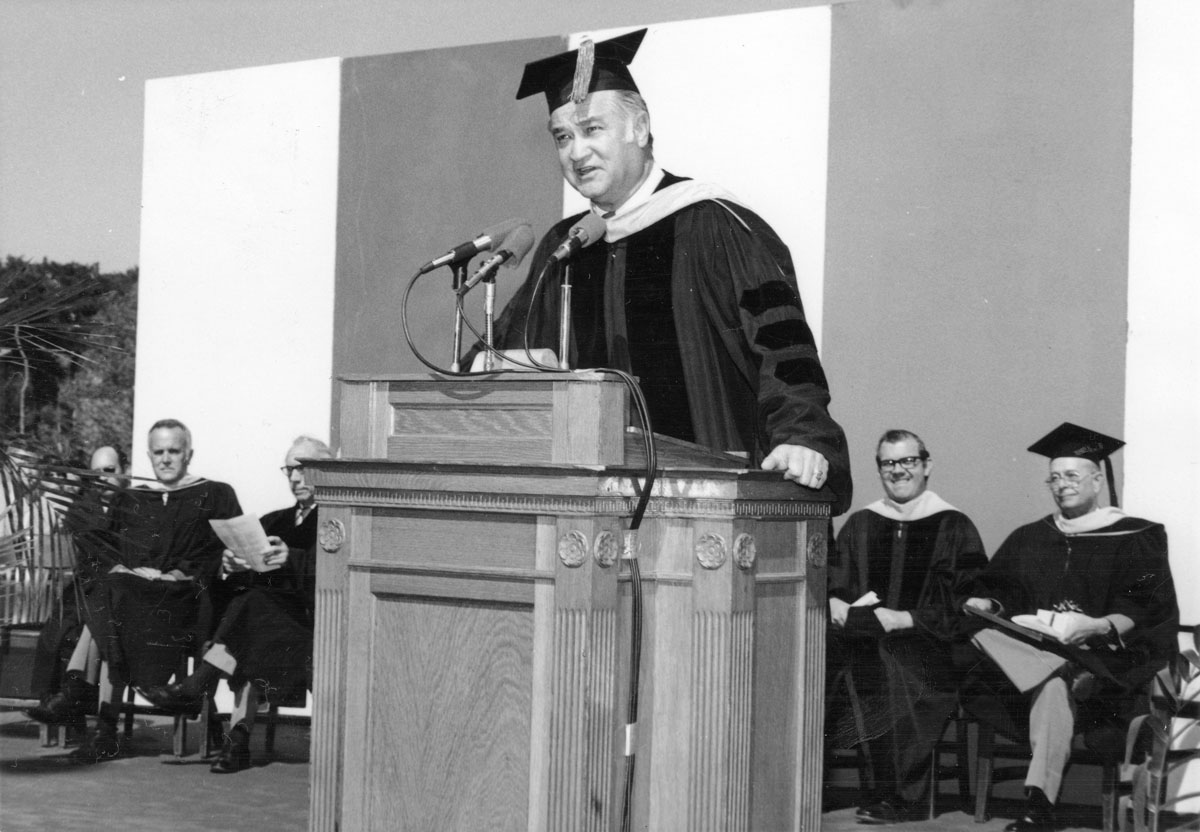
point(40, 789)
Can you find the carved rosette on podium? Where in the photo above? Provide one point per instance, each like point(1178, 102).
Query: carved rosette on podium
point(472, 645)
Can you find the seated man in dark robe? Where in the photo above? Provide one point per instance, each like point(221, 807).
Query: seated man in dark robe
point(689, 290)
point(263, 641)
point(147, 612)
point(898, 567)
point(1103, 581)
point(67, 697)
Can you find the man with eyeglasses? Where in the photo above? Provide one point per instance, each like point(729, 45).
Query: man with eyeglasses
point(69, 698)
point(1102, 581)
point(892, 581)
point(263, 642)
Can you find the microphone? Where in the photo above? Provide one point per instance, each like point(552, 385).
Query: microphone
point(486, 241)
point(588, 230)
point(511, 251)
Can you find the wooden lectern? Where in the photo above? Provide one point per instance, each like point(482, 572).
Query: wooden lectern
point(473, 619)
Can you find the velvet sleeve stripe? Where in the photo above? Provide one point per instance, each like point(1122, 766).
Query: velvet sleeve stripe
point(770, 295)
point(801, 371)
point(781, 335)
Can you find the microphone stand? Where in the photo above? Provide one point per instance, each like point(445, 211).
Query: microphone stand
point(460, 273)
point(489, 313)
point(564, 322)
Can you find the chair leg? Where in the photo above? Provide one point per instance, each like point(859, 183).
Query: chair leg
point(129, 706)
point(272, 718)
point(962, 759)
point(1108, 795)
point(179, 735)
point(214, 729)
point(932, 785)
point(180, 732)
point(983, 772)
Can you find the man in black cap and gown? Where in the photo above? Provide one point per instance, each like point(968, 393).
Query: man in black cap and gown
point(689, 290)
point(1103, 580)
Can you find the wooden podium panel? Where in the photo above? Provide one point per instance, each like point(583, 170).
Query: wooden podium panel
point(510, 418)
point(473, 647)
point(448, 674)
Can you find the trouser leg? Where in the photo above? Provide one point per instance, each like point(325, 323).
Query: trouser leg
point(882, 753)
point(220, 658)
point(86, 657)
point(915, 743)
point(245, 706)
point(1051, 728)
point(78, 660)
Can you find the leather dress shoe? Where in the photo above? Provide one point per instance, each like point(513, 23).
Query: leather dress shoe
point(69, 705)
point(175, 698)
point(234, 757)
point(1037, 817)
point(105, 745)
point(1030, 822)
point(56, 710)
point(885, 812)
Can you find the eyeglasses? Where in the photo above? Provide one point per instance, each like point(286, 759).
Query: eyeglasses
point(1067, 478)
point(108, 469)
point(908, 463)
point(288, 470)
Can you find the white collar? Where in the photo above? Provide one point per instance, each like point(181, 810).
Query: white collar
point(639, 197)
point(918, 508)
point(647, 206)
point(189, 480)
point(1098, 519)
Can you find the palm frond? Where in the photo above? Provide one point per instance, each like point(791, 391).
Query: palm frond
point(35, 552)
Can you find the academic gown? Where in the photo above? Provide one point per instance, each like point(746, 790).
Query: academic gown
point(702, 307)
point(141, 626)
point(1120, 568)
point(268, 625)
point(904, 682)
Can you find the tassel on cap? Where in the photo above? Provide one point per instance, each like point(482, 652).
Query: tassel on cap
point(585, 61)
point(593, 67)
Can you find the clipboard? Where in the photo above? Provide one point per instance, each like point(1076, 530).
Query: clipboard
point(1042, 642)
point(1012, 627)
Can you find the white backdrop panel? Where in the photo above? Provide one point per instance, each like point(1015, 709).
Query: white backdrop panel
point(1162, 407)
point(235, 305)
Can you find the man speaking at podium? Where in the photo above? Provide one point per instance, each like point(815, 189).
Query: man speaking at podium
point(689, 290)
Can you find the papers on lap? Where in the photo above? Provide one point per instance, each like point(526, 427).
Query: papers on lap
point(1027, 649)
point(1025, 665)
point(1016, 626)
point(244, 536)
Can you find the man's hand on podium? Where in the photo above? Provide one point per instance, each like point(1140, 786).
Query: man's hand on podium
point(799, 464)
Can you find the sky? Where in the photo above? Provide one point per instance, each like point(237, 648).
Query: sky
point(73, 74)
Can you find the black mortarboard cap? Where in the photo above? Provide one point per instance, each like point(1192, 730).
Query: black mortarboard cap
point(592, 67)
point(1073, 441)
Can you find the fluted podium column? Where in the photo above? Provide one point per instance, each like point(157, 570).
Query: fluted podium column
point(733, 668)
point(329, 636)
